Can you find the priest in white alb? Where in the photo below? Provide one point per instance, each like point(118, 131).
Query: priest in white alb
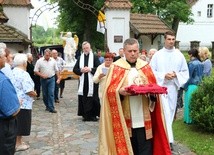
point(170, 69)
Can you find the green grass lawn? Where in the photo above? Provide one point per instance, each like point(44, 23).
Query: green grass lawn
point(195, 139)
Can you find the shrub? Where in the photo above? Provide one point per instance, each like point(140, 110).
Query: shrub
point(202, 105)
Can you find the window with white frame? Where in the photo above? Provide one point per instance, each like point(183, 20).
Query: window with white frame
point(209, 10)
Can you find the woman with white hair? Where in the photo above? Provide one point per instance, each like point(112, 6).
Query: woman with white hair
point(150, 54)
point(24, 86)
point(205, 55)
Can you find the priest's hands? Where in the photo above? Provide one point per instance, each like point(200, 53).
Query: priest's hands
point(123, 91)
point(170, 76)
point(85, 69)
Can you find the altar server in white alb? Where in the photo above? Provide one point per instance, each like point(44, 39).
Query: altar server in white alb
point(170, 69)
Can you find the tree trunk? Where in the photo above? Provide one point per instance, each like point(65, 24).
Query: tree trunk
point(175, 24)
point(89, 23)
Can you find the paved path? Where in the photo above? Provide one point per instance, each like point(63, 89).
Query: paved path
point(64, 133)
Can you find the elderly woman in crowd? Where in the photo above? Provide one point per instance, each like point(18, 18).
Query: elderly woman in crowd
point(24, 86)
point(150, 54)
point(100, 74)
point(205, 58)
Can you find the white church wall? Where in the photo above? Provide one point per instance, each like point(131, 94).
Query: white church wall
point(201, 30)
point(117, 24)
point(19, 18)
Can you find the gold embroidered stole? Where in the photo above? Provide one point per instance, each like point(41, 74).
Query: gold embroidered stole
point(115, 119)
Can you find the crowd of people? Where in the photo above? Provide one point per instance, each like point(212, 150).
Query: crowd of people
point(20, 86)
point(129, 124)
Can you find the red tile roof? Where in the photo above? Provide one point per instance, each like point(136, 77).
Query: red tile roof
point(9, 34)
point(16, 3)
point(117, 4)
point(147, 24)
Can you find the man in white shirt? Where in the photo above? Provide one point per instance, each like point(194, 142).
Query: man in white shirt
point(170, 69)
point(46, 68)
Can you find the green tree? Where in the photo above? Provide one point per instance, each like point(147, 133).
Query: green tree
point(146, 6)
point(176, 11)
point(37, 32)
point(172, 12)
point(81, 21)
point(42, 37)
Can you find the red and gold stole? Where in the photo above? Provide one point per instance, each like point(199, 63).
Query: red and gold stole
point(118, 131)
point(160, 142)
